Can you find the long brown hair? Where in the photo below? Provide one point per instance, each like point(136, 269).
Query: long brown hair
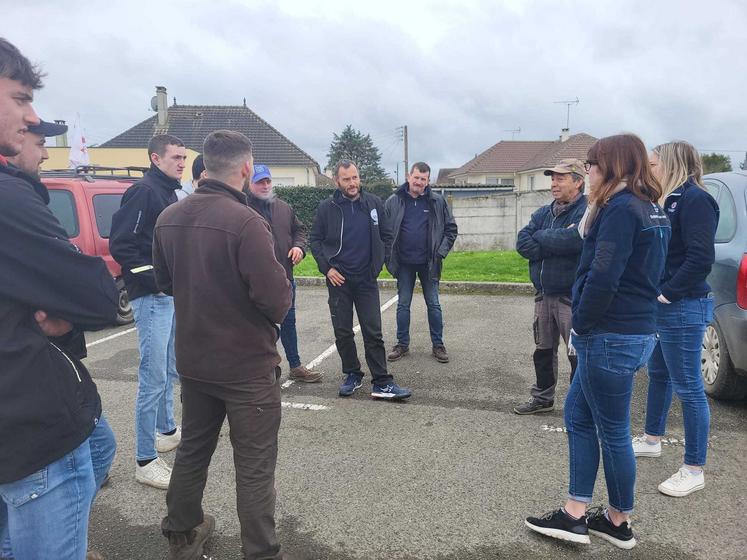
point(622, 158)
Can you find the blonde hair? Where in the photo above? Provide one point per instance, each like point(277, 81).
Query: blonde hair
point(679, 162)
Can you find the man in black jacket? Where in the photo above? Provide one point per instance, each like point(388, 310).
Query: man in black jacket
point(131, 245)
point(424, 233)
point(553, 246)
point(49, 406)
point(351, 240)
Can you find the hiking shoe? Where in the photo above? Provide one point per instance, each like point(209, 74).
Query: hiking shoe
point(392, 392)
point(165, 443)
point(559, 525)
point(188, 546)
point(440, 353)
point(305, 375)
point(93, 555)
point(642, 447)
point(682, 483)
point(533, 407)
point(397, 352)
point(156, 474)
point(352, 382)
point(599, 525)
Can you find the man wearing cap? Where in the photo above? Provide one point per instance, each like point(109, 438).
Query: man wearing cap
point(552, 245)
point(289, 234)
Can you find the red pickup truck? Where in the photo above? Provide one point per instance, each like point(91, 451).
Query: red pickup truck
point(84, 200)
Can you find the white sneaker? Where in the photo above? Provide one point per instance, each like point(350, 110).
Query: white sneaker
point(156, 474)
point(165, 443)
point(642, 448)
point(682, 483)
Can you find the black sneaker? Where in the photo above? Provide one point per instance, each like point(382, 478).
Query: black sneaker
point(533, 407)
point(599, 525)
point(559, 525)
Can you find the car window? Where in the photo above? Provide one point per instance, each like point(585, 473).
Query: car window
point(727, 220)
point(712, 187)
point(105, 205)
point(62, 205)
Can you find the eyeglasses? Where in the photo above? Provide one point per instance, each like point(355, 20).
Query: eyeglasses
point(588, 164)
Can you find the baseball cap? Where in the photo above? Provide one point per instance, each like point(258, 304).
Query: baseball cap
point(261, 172)
point(568, 166)
point(48, 129)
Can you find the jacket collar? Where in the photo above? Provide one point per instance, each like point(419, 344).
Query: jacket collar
point(404, 190)
point(340, 198)
point(211, 186)
point(37, 185)
point(162, 179)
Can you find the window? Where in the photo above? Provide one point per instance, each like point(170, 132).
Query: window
point(498, 181)
point(727, 220)
point(62, 205)
point(105, 205)
point(531, 182)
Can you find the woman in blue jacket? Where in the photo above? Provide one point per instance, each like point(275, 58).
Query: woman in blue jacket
point(684, 309)
point(614, 333)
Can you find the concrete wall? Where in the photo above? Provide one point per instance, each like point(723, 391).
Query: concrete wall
point(490, 221)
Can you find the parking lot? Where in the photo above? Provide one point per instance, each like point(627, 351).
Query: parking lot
point(449, 474)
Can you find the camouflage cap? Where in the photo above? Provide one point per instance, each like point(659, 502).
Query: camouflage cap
point(568, 166)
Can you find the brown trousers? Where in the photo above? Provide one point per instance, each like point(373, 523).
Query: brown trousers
point(253, 411)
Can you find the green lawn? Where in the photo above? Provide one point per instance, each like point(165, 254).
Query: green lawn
point(477, 266)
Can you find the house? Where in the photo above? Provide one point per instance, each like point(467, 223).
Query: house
point(289, 164)
point(521, 163)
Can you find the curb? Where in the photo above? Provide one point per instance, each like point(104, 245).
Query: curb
point(447, 286)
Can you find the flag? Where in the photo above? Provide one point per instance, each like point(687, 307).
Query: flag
point(78, 148)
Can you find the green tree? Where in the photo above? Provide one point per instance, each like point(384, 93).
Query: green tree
point(354, 145)
point(715, 163)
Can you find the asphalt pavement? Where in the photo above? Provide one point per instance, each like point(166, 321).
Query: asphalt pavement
point(450, 474)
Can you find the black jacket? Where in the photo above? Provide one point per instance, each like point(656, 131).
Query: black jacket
point(694, 217)
point(131, 238)
point(325, 239)
point(552, 248)
point(442, 229)
point(48, 402)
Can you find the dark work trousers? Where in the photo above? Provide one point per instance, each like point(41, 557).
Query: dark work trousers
point(361, 291)
point(253, 410)
point(552, 321)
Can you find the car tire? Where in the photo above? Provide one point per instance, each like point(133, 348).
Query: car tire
point(719, 378)
point(124, 308)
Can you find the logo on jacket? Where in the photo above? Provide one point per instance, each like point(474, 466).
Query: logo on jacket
point(672, 207)
point(375, 217)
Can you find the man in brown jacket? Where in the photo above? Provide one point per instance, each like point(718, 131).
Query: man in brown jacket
point(289, 234)
point(215, 255)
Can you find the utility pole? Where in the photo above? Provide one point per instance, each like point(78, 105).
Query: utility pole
point(568, 104)
point(407, 166)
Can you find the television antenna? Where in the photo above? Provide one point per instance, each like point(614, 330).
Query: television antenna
point(568, 104)
point(513, 131)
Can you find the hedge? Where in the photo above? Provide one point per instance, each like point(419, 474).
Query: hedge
point(304, 200)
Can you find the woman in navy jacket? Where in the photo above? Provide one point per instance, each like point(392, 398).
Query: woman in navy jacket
point(614, 333)
point(684, 309)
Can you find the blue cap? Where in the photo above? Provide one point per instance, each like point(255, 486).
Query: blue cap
point(261, 172)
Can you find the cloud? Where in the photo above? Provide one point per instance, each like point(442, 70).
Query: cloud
point(460, 75)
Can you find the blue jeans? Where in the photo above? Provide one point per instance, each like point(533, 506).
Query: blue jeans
point(675, 366)
point(102, 447)
point(47, 511)
point(405, 287)
point(154, 406)
point(597, 410)
point(288, 335)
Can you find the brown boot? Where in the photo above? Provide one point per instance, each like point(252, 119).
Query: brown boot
point(397, 352)
point(188, 546)
point(93, 555)
point(301, 373)
point(440, 353)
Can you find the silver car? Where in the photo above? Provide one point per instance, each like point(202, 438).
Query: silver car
point(724, 355)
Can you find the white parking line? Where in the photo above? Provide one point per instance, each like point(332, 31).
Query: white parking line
point(303, 406)
point(110, 337)
point(332, 349)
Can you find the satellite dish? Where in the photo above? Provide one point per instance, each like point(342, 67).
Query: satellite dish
point(154, 103)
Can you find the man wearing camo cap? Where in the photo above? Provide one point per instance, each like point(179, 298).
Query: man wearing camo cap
point(552, 245)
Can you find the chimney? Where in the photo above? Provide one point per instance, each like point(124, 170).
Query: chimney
point(565, 134)
point(162, 105)
point(61, 140)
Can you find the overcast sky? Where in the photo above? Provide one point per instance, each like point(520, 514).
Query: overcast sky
point(460, 73)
